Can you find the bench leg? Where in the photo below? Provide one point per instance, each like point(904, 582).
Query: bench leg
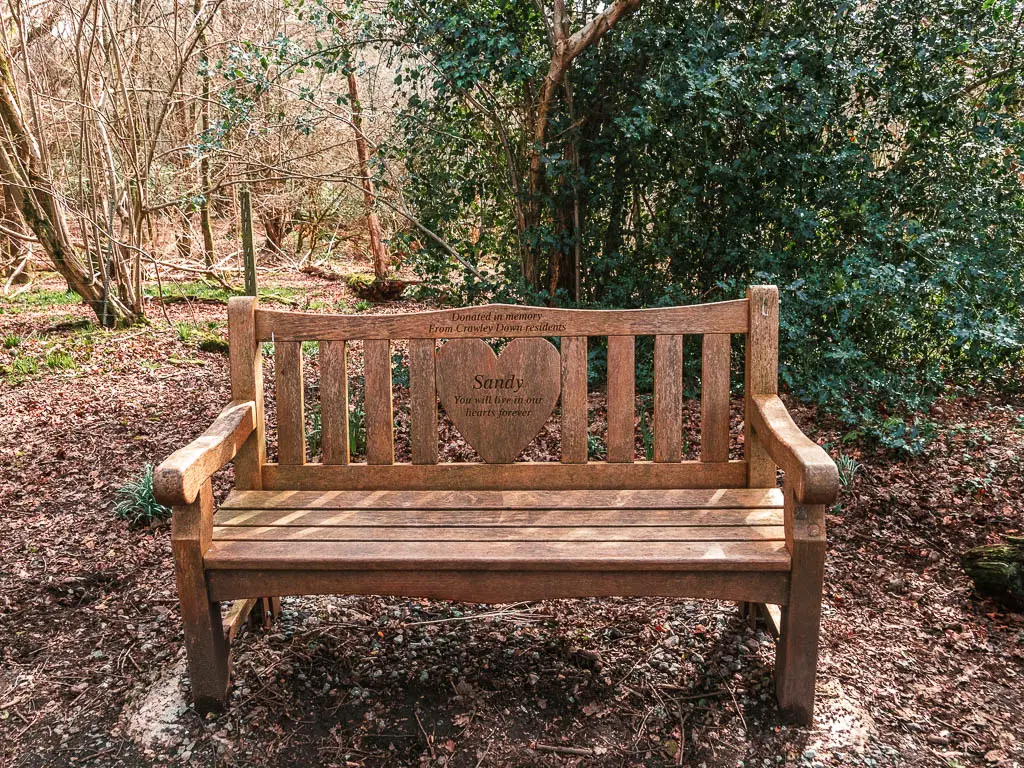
point(796, 656)
point(206, 647)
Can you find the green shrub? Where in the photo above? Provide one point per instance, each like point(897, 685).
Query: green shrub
point(595, 448)
point(12, 340)
point(135, 502)
point(863, 156)
point(362, 305)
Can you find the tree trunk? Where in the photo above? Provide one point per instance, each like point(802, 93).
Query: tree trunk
point(998, 570)
point(377, 248)
point(15, 251)
point(564, 49)
point(205, 173)
point(24, 170)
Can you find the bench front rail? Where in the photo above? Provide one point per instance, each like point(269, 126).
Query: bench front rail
point(501, 530)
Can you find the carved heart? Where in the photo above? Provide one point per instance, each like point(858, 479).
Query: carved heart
point(498, 403)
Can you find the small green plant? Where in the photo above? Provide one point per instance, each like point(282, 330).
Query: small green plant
point(58, 360)
point(136, 503)
point(356, 431)
point(310, 348)
point(362, 305)
point(314, 430)
point(185, 332)
point(647, 431)
point(22, 365)
point(267, 347)
point(848, 468)
point(12, 340)
point(595, 447)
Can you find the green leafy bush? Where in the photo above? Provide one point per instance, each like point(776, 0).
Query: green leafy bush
point(864, 157)
point(135, 502)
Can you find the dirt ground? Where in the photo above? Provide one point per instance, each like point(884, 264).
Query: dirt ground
point(915, 669)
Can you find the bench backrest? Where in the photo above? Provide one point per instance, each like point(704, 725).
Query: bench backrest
point(550, 375)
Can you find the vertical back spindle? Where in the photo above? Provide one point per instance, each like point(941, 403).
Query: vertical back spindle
point(291, 422)
point(423, 401)
point(380, 422)
point(668, 398)
point(761, 376)
point(714, 398)
point(246, 364)
point(621, 398)
point(574, 399)
point(334, 401)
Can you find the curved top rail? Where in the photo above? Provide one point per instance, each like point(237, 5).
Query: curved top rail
point(504, 320)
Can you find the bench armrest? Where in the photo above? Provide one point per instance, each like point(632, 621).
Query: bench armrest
point(808, 467)
point(178, 479)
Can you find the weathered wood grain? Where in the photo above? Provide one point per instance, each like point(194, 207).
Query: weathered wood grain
point(796, 654)
point(498, 402)
point(245, 363)
point(504, 587)
point(423, 401)
point(668, 398)
point(671, 499)
point(378, 405)
point(761, 376)
point(455, 531)
point(521, 475)
point(810, 471)
point(504, 555)
point(496, 518)
point(180, 476)
point(334, 402)
point(291, 413)
point(504, 320)
point(621, 398)
point(714, 398)
point(206, 647)
point(574, 400)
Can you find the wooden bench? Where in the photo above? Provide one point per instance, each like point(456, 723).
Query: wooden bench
point(500, 530)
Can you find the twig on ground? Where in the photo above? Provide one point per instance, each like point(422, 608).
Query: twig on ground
point(578, 751)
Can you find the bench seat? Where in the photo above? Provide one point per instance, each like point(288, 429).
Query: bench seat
point(501, 530)
point(523, 544)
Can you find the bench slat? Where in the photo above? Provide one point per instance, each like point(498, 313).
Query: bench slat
point(714, 398)
point(334, 401)
point(380, 420)
point(422, 401)
point(574, 400)
point(291, 421)
point(503, 586)
point(450, 532)
point(524, 475)
point(505, 555)
point(473, 517)
point(518, 321)
point(676, 499)
point(668, 398)
point(621, 398)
